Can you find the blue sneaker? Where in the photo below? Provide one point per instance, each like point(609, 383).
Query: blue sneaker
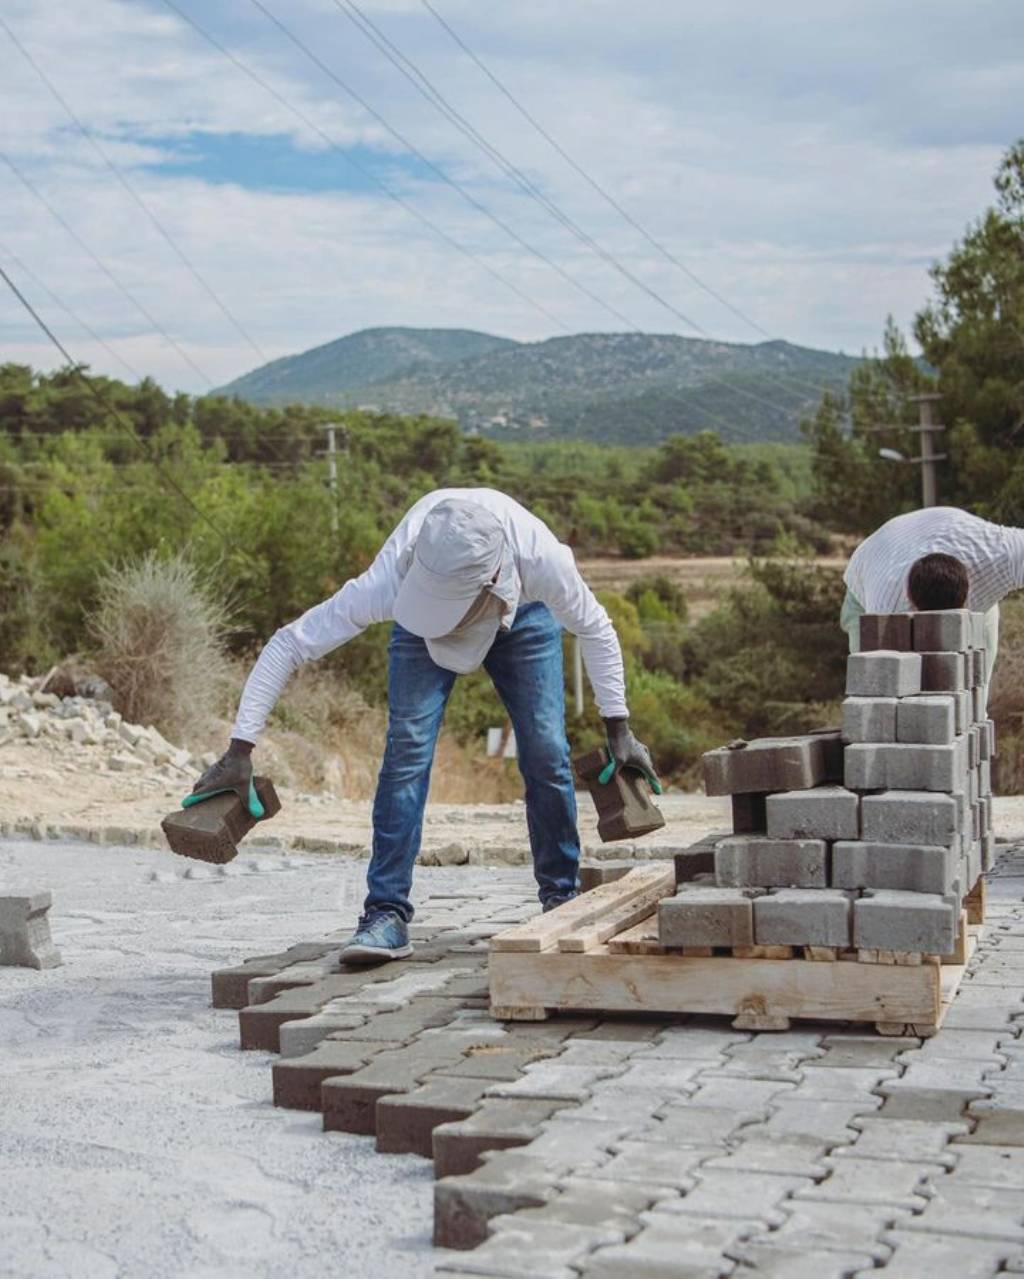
point(380, 935)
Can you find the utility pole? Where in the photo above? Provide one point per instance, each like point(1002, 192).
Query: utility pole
point(927, 428)
point(332, 471)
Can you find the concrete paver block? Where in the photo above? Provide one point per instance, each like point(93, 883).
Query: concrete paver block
point(944, 1257)
point(891, 631)
point(521, 1248)
point(886, 919)
point(25, 932)
point(1000, 1167)
point(551, 1081)
point(754, 861)
point(870, 1181)
point(297, 1080)
point(829, 1121)
point(772, 764)
point(504, 1183)
point(941, 631)
point(835, 1227)
point(829, 1083)
point(929, 719)
point(883, 673)
point(968, 1212)
point(654, 1163)
point(827, 812)
point(909, 817)
point(349, 1102)
point(406, 1121)
point(501, 1124)
point(903, 1140)
point(869, 719)
point(671, 1248)
point(913, 868)
point(699, 916)
point(904, 766)
point(769, 1261)
point(736, 1194)
point(689, 1125)
point(802, 917)
point(943, 673)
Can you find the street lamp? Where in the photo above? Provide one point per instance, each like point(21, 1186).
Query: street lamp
point(892, 455)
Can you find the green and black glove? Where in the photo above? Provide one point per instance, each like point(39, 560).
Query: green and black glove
point(232, 772)
point(626, 751)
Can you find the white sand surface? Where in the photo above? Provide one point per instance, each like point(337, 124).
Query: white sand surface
point(135, 1138)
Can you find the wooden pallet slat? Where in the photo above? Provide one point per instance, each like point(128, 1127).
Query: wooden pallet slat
point(645, 885)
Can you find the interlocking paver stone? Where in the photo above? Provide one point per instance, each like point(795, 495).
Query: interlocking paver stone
point(957, 1075)
point(654, 1163)
point(969, 1211)
point(905, 1140)
point(747, 1096)
point(768, 1262)
point(990, 1166)
point(792, 1119)
point(686, 1125)
point(504, 1183)
point(671, 1248)
point(757, 861)
point(917, 1255)
point(834, 1227)
point(548, 1079)
point(297, 1080)
point(458, 1147)
point(349, 1102)
point(405, 1122)
point(846, 1049)
point(796, 1159)
point(869, 1181)
point(821, 1083)
point(826, 812)
point(736, 1194)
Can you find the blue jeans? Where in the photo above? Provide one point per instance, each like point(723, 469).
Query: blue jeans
point(525, 664)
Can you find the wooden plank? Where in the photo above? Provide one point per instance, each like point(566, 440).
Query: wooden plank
point(762, 952)
point(646, 884)
point(822, 954)
point(976, 902)
point(641, 939)
point(959, 954)
point(949, 976)
point(603, 980)
point(616, 921)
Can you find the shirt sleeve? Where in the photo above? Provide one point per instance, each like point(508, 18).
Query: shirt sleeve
point(554, 580)
point(363, 600)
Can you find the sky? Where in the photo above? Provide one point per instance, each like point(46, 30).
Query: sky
point(788, 171)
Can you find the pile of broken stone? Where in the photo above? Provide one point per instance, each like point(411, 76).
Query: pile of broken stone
point(76, 725)
point(869, 836)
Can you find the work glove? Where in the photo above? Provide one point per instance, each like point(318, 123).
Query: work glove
point(232, 772)
point(626, 751)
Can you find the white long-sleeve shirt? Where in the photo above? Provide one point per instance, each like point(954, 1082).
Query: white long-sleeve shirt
point(993, 555)
point(547, 573)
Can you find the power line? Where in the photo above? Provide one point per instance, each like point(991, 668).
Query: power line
point(471, 199)
point(86, 328)
point(592, 182)
point(110, 408)
point(134, 195)
point(125, 292)
point(446, 178)
point(363, 170)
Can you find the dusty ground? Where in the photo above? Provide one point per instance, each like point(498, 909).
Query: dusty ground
point(75, 800)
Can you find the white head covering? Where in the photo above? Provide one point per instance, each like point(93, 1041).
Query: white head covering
point(461, 565)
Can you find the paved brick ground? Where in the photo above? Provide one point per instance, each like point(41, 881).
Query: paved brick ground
point(604, 1148)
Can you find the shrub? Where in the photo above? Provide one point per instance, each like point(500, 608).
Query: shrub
point(159, 631)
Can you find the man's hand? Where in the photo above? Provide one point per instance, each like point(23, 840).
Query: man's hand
point(627, 752)
point(232, 772)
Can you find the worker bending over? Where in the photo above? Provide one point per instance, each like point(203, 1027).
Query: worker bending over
point(469, 578)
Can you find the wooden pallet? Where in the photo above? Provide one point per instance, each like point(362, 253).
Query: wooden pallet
point(600, 952)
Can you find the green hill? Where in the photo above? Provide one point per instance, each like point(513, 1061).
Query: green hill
point(610, 387)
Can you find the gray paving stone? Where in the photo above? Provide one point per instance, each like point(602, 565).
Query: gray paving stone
point(405, 1122)
point(807, 1042)
point(735, 1194)
point(458, 1147)
point(835, 1227)
point(682, 1124)
point(577, 1145)
point(891, 631)
point(753, 861)
point(943, 673)
point(870, 1181)
point(821, 1083)
point(903, 1140)
point(747, 1096)
point(666, 1076)
point(695, 1040)
point(941, 631)
point(869, 719)
point(781, 1066)
point(901, 766)
point(769, 1262)
point(803, 917)
point(957, 1075)
point(671, 1248)
point(706, 916)
point(609, 1102)
point(916, 1255)
point(909, 817)
point(654, 1163)
point(826, 812)
point(928, 719)
point(349, 1102)
point(1000, 1167)
point(860, 1051)
point(767, 765)
point(974, 1045)
point(891, 920)
point(904, 867)
point(926, 1105)
point(829, 1121)
point(969, 1212)
point(504, 1183)
point(522, 1248)
point(883, 673)
point(795, 1159)
point(549, 1080)
point(994, 1127)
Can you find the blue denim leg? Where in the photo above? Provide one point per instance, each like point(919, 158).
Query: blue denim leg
point(525, 664)
point(418, 691)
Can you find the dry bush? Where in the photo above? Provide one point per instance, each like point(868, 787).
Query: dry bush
point(159, 632)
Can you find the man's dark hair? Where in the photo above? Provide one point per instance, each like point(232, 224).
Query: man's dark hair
point(937, 581)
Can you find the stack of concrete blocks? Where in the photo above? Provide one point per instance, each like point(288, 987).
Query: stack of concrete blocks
point(870, 837)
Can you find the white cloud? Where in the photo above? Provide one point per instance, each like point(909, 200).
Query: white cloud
point(809, 163)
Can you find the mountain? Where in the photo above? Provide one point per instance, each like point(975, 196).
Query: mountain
point(612, 387)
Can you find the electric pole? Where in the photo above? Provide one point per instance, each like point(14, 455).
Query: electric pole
point(926, 429)
point(332, 471)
